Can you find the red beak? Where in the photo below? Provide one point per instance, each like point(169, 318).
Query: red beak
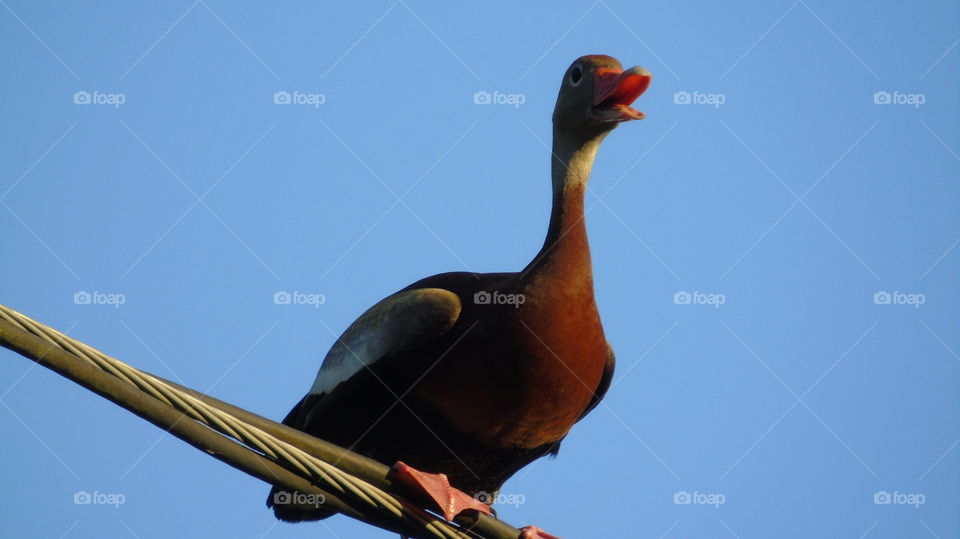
point(614, 90)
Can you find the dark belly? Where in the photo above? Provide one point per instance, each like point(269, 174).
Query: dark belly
point(377, 425)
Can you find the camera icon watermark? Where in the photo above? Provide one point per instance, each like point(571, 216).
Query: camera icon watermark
point(684, 97)
point(83, 297)
point(500, 498)
point(82, 497)
point(84, 97)
point(483, 97)
point(484, 297)
point(283, 497)
point(896, 297)
point(284, 97)
point(882, 497)
point(683, 497)
point(282, 297)
point(884, 97)
point(696, 297)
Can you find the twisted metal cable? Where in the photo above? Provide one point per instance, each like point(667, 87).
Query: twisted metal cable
point(323, 473)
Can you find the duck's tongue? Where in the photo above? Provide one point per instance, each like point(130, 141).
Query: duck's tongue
point(614, 91)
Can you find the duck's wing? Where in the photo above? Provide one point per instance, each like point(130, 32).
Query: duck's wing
point(604, 384)
point(402, 322)
point(598, 393)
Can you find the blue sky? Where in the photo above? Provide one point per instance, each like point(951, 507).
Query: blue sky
point(809, 217)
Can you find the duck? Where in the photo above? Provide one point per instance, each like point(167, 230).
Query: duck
point(462, 379)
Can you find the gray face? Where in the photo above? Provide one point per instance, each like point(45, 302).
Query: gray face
point(578, 106)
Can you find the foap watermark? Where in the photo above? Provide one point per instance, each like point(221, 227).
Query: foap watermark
point(282, 497)
point(899, 298)
point(499, 298)
point(500, 498)
point(82, 497)
point(882, 497)
point(699, 298)
point(498, 98)
point(684, 97)
point(897, 97)
point(699, 498)
point(84, 97)
point(296, 97)
point(283, 297)
point(98, 298)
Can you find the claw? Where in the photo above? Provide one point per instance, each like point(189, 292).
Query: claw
point(533, 532)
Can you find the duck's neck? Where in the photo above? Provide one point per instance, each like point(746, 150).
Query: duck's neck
point(566, 253)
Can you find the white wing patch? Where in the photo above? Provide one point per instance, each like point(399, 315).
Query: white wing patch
point(400, 322)
point(351, 353)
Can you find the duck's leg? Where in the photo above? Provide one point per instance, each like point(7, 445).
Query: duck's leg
point(436, 488)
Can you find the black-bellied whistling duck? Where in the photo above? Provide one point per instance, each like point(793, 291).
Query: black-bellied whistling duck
point(475, 375)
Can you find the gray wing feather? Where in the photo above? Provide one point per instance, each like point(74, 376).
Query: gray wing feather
point(400, 322)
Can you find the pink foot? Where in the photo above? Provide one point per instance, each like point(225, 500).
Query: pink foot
point(533, 532)
point(435, 488)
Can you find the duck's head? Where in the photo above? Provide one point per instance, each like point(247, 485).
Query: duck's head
point(596, 94)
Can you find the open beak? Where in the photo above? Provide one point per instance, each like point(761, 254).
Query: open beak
point(615, 90)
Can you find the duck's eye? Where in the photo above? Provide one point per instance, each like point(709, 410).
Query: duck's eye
point(576, 75)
